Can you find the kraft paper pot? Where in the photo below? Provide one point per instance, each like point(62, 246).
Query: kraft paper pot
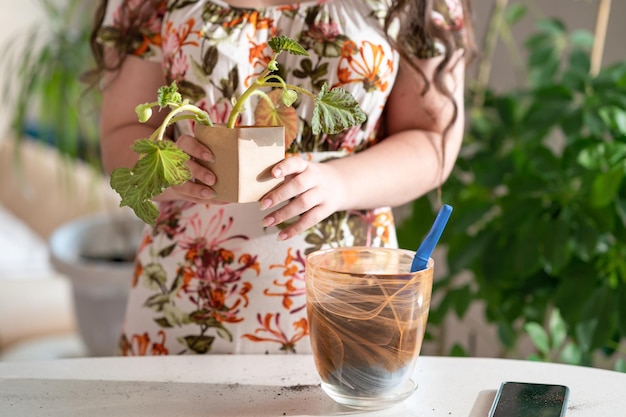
point(244, 156)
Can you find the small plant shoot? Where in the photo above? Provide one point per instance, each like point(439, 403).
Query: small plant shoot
point(162, 164)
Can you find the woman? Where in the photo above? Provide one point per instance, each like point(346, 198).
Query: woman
point(229, 278)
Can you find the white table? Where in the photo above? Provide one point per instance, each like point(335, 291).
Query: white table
point(276, 385)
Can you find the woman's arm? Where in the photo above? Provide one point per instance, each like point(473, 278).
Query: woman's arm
point(403, 166)
point(136, 82)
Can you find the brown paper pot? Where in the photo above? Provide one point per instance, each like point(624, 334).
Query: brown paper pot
point(244, 157)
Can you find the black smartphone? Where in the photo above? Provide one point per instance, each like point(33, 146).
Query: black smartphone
point(525, 399)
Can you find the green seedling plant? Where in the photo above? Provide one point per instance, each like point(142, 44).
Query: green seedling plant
point(162, 164)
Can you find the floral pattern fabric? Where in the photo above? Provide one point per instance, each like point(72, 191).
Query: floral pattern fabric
point(208, 278)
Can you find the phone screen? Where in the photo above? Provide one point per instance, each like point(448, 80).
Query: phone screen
point(522, 399)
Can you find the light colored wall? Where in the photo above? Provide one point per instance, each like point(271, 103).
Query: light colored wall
point(15, 17)
point(577, 14)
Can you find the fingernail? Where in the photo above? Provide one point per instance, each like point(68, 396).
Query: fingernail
point(208, 156)
point(267, 222)
point(277, 172)
point(209, 179)
point(206, 193)
point(282, 236)
point(266, 203)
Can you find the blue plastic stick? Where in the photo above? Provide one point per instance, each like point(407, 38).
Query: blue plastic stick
point(420, 261)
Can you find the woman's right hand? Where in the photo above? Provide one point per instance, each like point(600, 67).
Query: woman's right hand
point(198, 189)
point(137, 81)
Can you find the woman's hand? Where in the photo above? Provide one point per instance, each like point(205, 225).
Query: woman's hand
point(312, 190)
point(198, 189)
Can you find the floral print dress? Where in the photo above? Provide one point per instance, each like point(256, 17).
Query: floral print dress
point(209, 278)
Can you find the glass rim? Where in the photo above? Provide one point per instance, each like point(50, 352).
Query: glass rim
point(310, 259)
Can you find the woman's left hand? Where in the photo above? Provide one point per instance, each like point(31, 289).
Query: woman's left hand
point(312, 191)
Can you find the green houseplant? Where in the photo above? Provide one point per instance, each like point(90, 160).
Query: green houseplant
point(43, 88)
point(54, 125)
point(162, 163)
point(540, 214)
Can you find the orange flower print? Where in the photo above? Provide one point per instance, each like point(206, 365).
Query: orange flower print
point(213, 278)
point(294, 286)
point(365, 64)
point(275, 334)
point(140, 21)
point(169, 220)
point(141, 342)
point(159, 348)
point(174, 40)
point(137, 273)
point(187, 274)
point(259, 57)
point(379, 223)
point(252, 18)
point(139, 345)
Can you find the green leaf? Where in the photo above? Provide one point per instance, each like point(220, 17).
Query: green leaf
point(144, 112)
point(558, 329)
point(580, 61)
point(621, 308)
point(506, 333)
point(157, 301)
point(289, 97)
point(614, 117)
point(581, 39)
point(596, 324)
point(154, 277)
point(553, 26)
point(593, 122)
point(457, 351)
point(199, 344)
point(163, 323)
point(538, 336)
point(272, 112)
point(571, 354)
point(161, 165)
point(514, 13)
point(585, 238)
point(606, 187)
point(174, 315)
point(286, 44)
point(223, 333)
point(169, 95)
point(554, 246)
point(335, 110)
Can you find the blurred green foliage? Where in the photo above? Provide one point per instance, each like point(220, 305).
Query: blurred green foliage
point(44, 64)
point(539, 216)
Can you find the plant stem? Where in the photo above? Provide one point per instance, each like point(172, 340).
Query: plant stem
point(258, 83)
point(171, 118)
point(293, 87)
point(496, 19)
point(237, 108)
point(602, 23)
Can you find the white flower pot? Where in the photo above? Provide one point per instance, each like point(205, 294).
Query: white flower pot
point(82, 250)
